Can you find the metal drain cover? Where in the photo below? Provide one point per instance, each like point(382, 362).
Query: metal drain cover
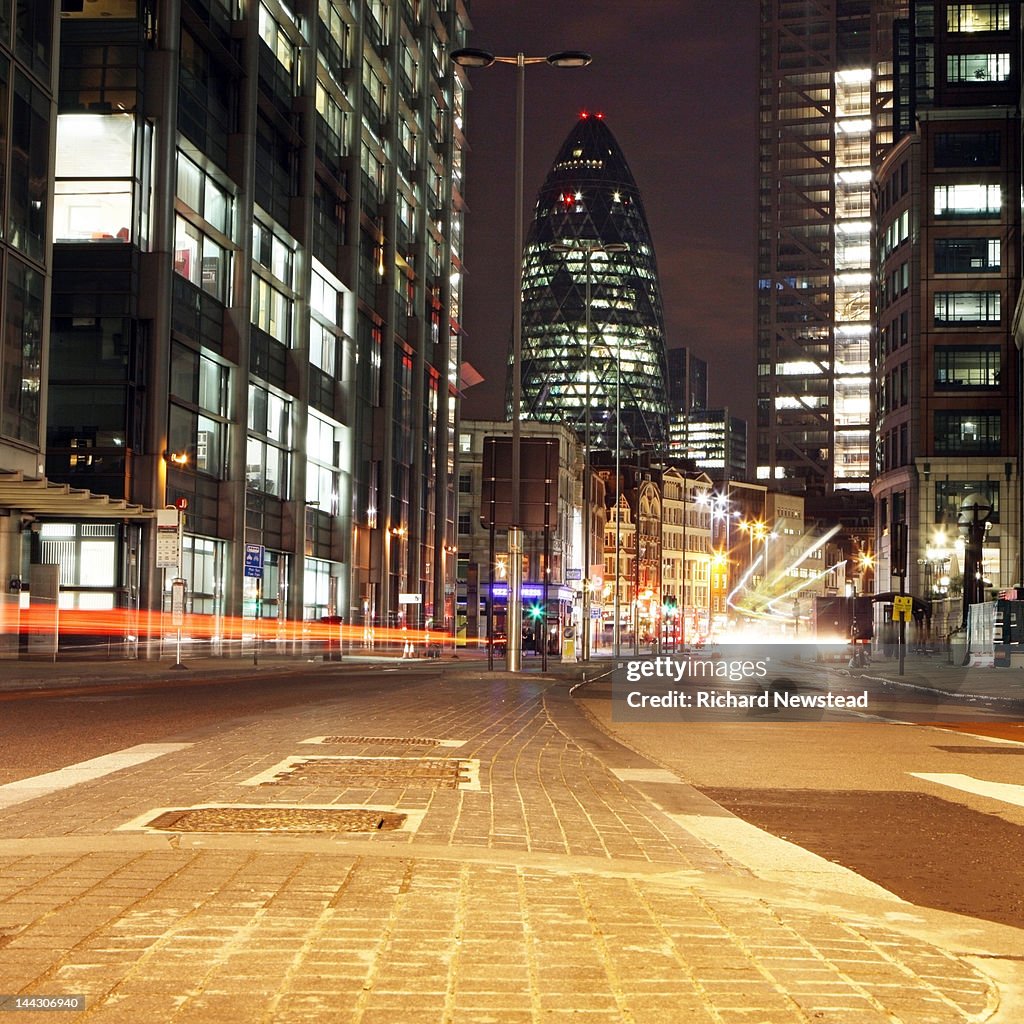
point(276, 819)
point(403, 741)
point(385, 741)
point(370, 772)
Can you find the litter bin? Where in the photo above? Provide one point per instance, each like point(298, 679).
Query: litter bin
point(332, 647)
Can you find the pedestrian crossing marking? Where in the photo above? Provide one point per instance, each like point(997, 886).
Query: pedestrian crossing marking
point(1006, 792)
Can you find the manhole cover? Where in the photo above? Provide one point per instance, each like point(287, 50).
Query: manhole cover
point(370, 772)
point(276, 819)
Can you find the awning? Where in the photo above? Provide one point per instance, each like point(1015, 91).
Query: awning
point(40, 497)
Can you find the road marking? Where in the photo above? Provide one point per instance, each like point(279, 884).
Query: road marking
point(85, 771)
point(646, 775)
point(1006, 792)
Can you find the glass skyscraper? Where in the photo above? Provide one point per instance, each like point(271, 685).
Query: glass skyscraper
point(589, 240)
point(255, 213)
point(826, 119)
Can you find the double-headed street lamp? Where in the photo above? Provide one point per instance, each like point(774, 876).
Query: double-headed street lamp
point(469, 57)
point(588, 247)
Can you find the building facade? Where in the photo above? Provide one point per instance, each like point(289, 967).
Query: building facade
point(949, 273)
point(686, 554)
point(687, 381)
point(555, 559)
point(257, 227)
point(826, 119)
point(713, 439)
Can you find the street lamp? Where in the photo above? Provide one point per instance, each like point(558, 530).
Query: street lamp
point(588, 247)
point(469, 57)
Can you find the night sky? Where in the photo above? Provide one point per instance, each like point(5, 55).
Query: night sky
point(677, 83)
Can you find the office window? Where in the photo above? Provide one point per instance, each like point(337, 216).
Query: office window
point(974, 367)
point(271, 310)
point(29, 142)
point(335, 40)
point(201, 260)
point(968, 200)
point(273, 253)
point(323, 348)
point(22, 354)
point(977, 67)
point(201, 192)
point(199, 410)
point(274, 35)
point(968, 149)
point(967, 308)
point(323, 472)
point(967, 255)
point(94, 177)
point(980, 17)
point(267, 453)
point(976, 432)
point(950, 496)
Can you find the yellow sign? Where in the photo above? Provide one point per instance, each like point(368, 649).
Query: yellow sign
point(902, 607)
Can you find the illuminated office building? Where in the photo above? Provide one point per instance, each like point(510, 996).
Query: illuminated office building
point(612, 354)
point(257, 225)
point(948, 224)
point(826, 120)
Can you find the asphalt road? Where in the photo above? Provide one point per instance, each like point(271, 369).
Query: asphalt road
point(922, 795)
point(932, 812)
point(49, 729)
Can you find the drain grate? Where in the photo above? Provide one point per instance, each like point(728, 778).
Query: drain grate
point(405, 741)
point(386, 741)
point(276, 819)
point(370, 772)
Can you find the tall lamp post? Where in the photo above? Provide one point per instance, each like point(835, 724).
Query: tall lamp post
point(973, 521)
point(588, 247)
point(468, 57)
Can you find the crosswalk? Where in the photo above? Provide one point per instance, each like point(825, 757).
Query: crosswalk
point(1007, 792)
point(84, 771)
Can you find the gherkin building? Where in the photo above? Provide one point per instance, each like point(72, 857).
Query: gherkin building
point(593, 337)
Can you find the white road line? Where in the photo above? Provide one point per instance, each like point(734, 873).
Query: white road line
point(85, 771)
point(1007, 792)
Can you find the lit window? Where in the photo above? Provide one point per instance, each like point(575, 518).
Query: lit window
point(95, 173)
point(968, 200)
point(967, 307)
point(978, 17)
point(977, 67)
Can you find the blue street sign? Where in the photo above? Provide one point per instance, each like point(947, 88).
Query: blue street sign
point(254, 561)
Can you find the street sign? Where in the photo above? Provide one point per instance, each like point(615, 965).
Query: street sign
point(254, 561)
point(410, 599)
point(902, 607)
point(178, 602)
point(573, 574)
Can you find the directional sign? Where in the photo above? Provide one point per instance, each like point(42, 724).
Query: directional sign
point(168, 538)
point(254, 561)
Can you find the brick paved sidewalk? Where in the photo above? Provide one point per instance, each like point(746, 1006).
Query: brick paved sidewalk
point(542, 885)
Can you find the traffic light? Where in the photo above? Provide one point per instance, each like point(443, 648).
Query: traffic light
point(536, 612)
